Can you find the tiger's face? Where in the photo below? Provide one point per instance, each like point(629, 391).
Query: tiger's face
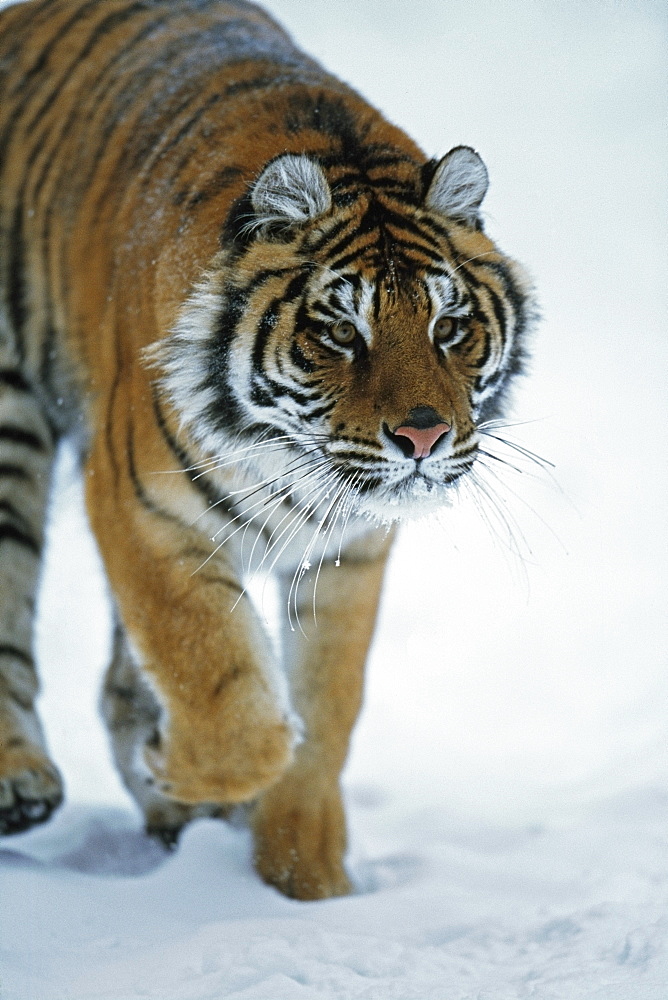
point(365, 337)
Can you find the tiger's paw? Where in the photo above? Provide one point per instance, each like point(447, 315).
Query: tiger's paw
point(166, 820)
point(198, 764)
point(30, 787)
point(300, 840)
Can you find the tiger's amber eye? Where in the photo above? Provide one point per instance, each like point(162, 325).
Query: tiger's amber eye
point(445, 328)
point(344, 333)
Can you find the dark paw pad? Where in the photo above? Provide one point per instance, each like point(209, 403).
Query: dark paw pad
point(168, 836)
point(24, 813)
point(28, 796)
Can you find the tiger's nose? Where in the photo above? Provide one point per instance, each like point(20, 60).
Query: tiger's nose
point(421, 432)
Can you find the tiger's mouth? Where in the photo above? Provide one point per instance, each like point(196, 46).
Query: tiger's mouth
point(415, 494)
point(417, 483)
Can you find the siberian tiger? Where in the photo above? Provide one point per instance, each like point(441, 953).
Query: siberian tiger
point(273, 328)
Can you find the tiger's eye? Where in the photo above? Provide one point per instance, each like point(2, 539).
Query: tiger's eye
point(445, 328)
point(343, 333)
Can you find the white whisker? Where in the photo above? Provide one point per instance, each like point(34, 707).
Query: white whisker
point(340, 503)
point(486, 253)
point(290, 511)
point(273, 500)
point(304, 563)
point(300, 516)
point(313, 465)
point(522, 500)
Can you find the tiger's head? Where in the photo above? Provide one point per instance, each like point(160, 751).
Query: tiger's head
point(357, 323)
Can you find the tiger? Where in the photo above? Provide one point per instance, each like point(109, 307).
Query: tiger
point(273, 329)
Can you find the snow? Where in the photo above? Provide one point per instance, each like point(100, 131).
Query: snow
point(508, 784)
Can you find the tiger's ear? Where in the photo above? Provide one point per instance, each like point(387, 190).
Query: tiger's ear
point(292, 189)
point(459, 185)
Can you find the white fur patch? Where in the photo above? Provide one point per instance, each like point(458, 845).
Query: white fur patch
point(357, 307)
point(183, 356)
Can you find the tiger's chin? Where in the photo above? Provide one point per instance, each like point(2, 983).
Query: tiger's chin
point(412, 499)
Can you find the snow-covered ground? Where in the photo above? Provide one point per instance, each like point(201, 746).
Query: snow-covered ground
point(508, 785)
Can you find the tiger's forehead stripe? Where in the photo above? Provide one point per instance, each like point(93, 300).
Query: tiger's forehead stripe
point(443, 291)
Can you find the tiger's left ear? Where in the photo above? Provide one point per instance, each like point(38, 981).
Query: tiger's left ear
point(459, 185)
point(292, 189)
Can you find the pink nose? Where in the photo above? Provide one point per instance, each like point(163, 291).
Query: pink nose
point(423, 439)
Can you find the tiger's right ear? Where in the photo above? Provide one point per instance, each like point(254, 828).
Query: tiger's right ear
point(292, 189)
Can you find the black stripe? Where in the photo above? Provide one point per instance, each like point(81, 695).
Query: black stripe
point(17, 654)
point(10, 533)
point(33, 75)
point(224, 412)
point(440, 230)
point(499, 312)
point(466, 452)
point(75, 114)
point(399, 221)
point(299, 359)
point(261, 382)
point(353, 439)
point(138, 487)
point(517, 300)
point(269, 320)
point(49, 352)
point(16, 435)
point(301, 398)
point(17, 292)
point(109, 419)
point(323, 309)
point(221, 180)
point(479, 315)
point(184, 59)
point(369, 484)
point(263, 276)
point(146, 130)
point(14, 471)
point(159, 150)
point(470, 279)
point(320, 411)
point(518, 353)
point(397, 190)
point(125, 53)
point(356, 254)
point(313, 246)
point(418, 248)
point(342, 245)
point(102, 28)
point(15, 380)
point(357, 457)
point(185, 460)
point(255, 83)
point(468, 344)
point(8, 508)
point(201, 484)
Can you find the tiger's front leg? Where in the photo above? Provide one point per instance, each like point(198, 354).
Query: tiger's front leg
point(299, 823)
point(223, 732)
